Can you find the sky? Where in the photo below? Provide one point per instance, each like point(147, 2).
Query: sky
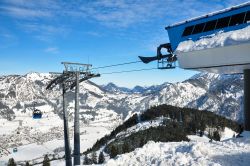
point(37, 35)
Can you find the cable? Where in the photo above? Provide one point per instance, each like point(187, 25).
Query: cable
point(119, 64)
point(128, 71)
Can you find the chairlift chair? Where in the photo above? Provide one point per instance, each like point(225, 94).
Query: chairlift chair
point(37, 114)
point(14, 150)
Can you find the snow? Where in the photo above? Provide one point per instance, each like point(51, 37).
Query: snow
point(27, 152)
point(216, 40)
point(197, 152)
point(33, 146)
point(227, 134)
point(139, 127)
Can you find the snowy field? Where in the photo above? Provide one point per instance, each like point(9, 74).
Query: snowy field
point(43, 136)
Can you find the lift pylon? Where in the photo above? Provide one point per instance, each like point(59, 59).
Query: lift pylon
point(71, 77)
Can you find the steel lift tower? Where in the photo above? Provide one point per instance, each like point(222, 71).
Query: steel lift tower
point(72, 76)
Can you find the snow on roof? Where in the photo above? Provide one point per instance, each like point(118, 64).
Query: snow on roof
point(210, 14)
point(219, 39)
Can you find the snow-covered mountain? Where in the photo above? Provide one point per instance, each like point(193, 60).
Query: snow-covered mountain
point(222, 94)
point(111, 87)
point(101, 109)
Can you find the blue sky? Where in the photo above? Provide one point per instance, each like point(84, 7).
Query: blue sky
point(37, 35)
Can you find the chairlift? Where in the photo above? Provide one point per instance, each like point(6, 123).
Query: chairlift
point(14, 150)
point(37, 114)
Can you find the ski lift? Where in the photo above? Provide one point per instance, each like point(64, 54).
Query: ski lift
point(220, 59)
point(165, 61)
point(37, 114)
point(14, 150)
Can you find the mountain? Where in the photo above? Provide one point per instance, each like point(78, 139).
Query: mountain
point(164, 123)
point(111, 87)
point(101, 110)
point(222, 94)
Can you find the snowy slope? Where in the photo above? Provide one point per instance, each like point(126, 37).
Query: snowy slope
point(194, 153)
point(198, 151)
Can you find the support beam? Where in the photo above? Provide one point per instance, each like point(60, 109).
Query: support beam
point(247, 99)
point(76, 124)
point(69, 79)
point(68, 161)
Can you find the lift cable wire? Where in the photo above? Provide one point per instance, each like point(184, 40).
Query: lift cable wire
point(129, 71)
point(119, 64)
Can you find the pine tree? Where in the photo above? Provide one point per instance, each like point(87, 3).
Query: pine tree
point(101, 158)
point(94, 157)
point(125, 147)
point(11, 162)
point(216, 135)
point(86, 160)
point(113, 151)
point(142, 142)
point(46, 161)
point(27, 164)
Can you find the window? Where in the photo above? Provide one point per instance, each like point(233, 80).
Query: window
point(237, 19)
point(198, 28)
point(210, 25)
point(247, 19)
point(222, 22)
point(188, 31)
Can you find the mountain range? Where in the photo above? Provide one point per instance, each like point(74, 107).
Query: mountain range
point(222, 94)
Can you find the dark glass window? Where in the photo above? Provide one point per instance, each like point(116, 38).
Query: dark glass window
point(198, 28)
point(237, 19)
point(222, 22)
point(247, 19)
point(188, 31)
point(210, 25)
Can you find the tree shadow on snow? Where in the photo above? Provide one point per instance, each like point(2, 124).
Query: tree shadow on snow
point(238, 159)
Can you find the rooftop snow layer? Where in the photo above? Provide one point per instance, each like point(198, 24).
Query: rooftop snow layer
point(219, 39)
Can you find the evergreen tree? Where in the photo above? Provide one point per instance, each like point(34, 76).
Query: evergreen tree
point(125, 147)
point(201, 133)
point(216, 135)
point(94, 157)
point(142, 142)
point(46, 161)
point(113, 151)
point(11, 162)
point(27, 164)
point(101, 158)
point(86, 160)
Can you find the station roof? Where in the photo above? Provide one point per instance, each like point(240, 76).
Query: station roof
point(209, 14)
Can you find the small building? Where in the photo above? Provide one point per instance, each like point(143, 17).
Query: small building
point(218, 42)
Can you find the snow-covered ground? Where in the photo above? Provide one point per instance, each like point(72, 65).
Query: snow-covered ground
point(140, 126)
point(216, 40)
point(197, 152)
point(43, 136)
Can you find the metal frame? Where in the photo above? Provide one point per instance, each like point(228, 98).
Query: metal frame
point(72, 76)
